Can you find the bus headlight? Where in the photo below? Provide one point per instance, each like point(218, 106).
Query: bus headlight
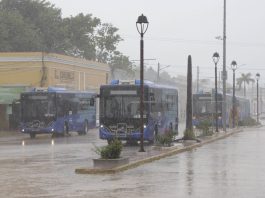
point(101, 126)
point(52, 130)
point(144, 126)
point(23, 130)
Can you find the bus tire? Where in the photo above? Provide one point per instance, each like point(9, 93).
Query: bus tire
point(110, 141)
point(54, 135)
point(152, 141)
point(32, 135)
point(85, 128)
point(131, 142)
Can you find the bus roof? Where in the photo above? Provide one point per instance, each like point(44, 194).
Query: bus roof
point(137, 83)
point(56, 90)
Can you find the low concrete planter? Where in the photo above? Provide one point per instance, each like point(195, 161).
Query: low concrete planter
point(161, 148)
point(110, 163)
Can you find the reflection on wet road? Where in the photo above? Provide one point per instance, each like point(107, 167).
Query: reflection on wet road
point(232, 167)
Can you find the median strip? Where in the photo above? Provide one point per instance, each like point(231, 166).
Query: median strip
point(168, 151)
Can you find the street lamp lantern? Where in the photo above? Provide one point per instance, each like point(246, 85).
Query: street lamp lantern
point(216, 58)
point(257, 78)
point(234, 67)
point(142, 26)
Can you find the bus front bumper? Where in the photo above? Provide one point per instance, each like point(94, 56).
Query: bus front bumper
point(37, 130)
point(106, 135)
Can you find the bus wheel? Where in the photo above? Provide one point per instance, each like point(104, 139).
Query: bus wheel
point(131, 142)
point(110, 141)
point(151, 141)
point(65, 129)
point(85, 128)
point(32, 135)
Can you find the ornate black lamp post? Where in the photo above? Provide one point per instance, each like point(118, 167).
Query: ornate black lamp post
point(234, 67)
point(257, 78)
point(216, 58)
point(142, 25)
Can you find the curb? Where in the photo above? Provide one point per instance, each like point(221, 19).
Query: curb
point(170, 152)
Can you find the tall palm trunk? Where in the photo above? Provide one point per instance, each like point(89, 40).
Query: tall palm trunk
point(244, 88)
point(189, 134)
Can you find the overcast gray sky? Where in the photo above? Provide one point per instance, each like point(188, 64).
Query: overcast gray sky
point(178, 28)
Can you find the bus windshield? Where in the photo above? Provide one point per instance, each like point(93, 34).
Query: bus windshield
point(203, 107)
point(122, 106)
point(38, 108)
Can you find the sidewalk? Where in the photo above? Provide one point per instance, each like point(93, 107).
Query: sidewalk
point(153, 153)
point(9, 133)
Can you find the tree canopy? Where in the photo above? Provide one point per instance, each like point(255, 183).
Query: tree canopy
point(245, 79)
point(37, 25)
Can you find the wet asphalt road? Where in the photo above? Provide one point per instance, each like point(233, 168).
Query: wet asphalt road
point(232, 167)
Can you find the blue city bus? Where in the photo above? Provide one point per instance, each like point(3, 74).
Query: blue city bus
point(204, 108)
point(120, 110)
point(57, 111)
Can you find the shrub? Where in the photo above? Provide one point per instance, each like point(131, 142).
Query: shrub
point(111, 151)
point(189, 134)
point(166, 138)
point(248, 122)
point(205, 127)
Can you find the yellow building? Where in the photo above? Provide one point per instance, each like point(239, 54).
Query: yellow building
point(19, 71)
point(37, 69)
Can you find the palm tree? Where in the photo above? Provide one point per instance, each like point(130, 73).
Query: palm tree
point(245, 79)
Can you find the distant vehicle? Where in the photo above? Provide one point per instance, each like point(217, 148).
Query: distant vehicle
point(57, 111)
point(204, 108)
point(120, 110)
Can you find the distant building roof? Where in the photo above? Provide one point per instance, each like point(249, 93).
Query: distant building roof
point(51, 57)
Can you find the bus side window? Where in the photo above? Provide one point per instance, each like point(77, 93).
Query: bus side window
point(92, 101)
point(152, 100)
point(84, 104)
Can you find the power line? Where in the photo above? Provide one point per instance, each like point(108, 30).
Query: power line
point(194, 41)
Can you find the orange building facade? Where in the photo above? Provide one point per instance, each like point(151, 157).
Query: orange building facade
point(38, 69)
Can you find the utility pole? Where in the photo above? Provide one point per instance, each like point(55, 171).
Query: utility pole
point(219, 80)
point(198, 78)
point(224, 71)
point(158, 70)
point(43, 71)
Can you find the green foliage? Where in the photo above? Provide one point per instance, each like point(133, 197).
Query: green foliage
point(164, 139)
point(111, 151)
point(42, 22)
point(248, 122)
point(205, 127)
point(37, 25)
point(79, 34)
point(106, 41)
point(189, 134)
point(16, 34)
point(119, 61)
point(245, 79)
